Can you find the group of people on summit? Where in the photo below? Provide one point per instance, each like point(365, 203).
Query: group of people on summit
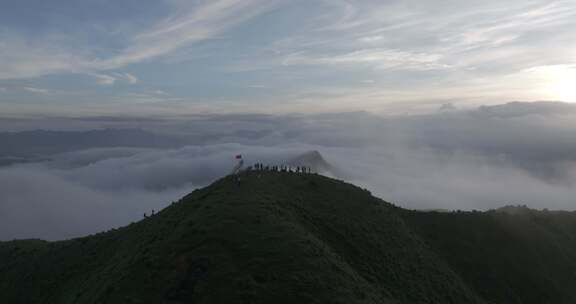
point(281, 168)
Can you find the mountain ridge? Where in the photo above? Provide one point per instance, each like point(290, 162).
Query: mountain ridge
point(271, 237)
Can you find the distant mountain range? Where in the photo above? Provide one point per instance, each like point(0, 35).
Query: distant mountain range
point(38, 145)
point(277, 237)
point(316, 162)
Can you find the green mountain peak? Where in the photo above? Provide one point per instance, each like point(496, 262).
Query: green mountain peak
point(280, 237)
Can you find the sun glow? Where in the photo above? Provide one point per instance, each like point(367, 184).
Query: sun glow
point(564, 88)
point(559, 81)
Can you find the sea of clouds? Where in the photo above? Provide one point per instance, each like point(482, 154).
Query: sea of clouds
point(482, 158)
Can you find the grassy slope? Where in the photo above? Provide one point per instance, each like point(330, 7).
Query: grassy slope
point(277, 238)
point(527, 258)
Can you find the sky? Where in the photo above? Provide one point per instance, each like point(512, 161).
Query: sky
point(169, 57)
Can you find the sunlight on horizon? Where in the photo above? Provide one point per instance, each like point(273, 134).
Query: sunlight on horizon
point(558, 82)
point(563, 87)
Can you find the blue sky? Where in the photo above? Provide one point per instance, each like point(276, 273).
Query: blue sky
point(168, 57)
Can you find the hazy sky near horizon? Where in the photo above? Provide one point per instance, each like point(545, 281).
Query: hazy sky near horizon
point(175, 56)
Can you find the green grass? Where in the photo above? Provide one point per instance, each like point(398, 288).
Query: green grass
point(527, 258)
point(285, 238)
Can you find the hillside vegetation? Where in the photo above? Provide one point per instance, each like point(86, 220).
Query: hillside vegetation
point(280, 237)
point(510, 255)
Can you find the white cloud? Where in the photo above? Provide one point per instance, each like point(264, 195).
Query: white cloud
point(196, 23)
point(506, 28)
point(104, 79)
point(491, 36)
point(115, 78)
point(131, 79)
point(23, 58)
point(258, 86)
point(370, 39)
point(36, 90)
point(386, 59)
point(521, 153)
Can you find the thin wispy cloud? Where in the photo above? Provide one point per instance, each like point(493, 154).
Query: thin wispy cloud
point(104, 79)
point(386, 59)
point(306, 53)
point(203, 21)
point(36, 90)
point(114, 78)
point(192, 22)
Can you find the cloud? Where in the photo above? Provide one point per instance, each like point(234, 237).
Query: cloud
point(131, 79)
point(22, 58)
point(114, 78)
point(481, 158)
point(201, 22)
point(370, 39)
point(190, 23)
point(159, 92)
point(36, 90)
point(384, 59)
point(463, 45)
point(104, 79)
point(93, 190)
point(73, 210)
point(509, 28)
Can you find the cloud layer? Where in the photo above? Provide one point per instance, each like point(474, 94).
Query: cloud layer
point(516, 153)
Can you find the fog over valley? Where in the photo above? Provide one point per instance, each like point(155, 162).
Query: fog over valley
point(63, 177)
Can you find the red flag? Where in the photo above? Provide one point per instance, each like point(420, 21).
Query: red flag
point(239, 156)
